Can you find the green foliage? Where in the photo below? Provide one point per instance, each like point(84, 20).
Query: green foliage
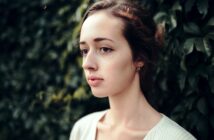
point(43, 92)
point(185, 71)
point(39, 72)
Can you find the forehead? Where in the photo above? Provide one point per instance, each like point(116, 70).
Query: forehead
point(101, 24)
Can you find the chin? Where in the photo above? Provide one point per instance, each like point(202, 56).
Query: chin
point(99, 94)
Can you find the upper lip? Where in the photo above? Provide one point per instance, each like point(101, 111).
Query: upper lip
point(94, 78)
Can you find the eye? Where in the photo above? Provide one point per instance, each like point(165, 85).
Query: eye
point(104, 50)
point(84, 52)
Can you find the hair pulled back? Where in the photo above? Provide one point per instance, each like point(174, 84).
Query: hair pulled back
point(140, 31)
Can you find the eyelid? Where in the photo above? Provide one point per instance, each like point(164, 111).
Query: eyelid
point(105, 49)
point(102, 49)
point(83, 51)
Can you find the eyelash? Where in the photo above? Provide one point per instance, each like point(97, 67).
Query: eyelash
point(105, 50)
point(102, 50)
point(83, 52)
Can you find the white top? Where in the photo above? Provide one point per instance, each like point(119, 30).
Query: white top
point(165, 129)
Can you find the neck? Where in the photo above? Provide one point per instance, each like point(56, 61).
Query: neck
point(131, 108)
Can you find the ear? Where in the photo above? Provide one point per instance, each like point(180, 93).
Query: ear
point(139, 64)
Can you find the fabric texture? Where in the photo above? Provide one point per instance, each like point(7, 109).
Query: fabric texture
point(165, 129)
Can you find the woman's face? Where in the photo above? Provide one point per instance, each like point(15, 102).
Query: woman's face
point(107, 57)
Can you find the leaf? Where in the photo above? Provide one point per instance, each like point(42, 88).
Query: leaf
point(75, 32)
point(191, 28)
point(193, 116)
point(202, 6)
point(188, 45)
point(46, 1)
point(178, 112)
point(173, 21)
point(202, 126)
point(163, 85)
point(210, 35)
point(182, 80)
point(202, 45)
point(210, 22)
point(80, 10)
point(192, 80)
point(63, 10)
point(202, 106)
point(160, 17)
point(80, 94)
point(199, 45)
point(16, 113)
point(183, 64)
point(79, 61)
point(177, 6)
point(207, 47)
point(188, 5)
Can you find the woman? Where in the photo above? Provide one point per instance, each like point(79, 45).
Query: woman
point(118, 42)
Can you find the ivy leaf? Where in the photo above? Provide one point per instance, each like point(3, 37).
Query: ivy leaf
point(177, 6)
point(192, 80)
point(202, 126)
point(207, 47)
point(191, 28)
point(202, 6)
point(210, 22)
point(182, 64)
point(202, 45)
point(199, 45)
point(210, 35)
point(173, 21)
point(160, 17)
point(188, 5)
point(63, 10)
point(80, 94)
point(202, 106)
point(189, 45)
point(182, 80)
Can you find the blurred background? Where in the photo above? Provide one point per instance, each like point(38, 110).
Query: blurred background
point(42, 87)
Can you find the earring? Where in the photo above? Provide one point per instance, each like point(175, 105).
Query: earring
point(138, 68)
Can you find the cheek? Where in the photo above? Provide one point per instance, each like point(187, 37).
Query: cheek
point(120, 69)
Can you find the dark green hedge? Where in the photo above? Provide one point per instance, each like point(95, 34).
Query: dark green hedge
point(42, 88)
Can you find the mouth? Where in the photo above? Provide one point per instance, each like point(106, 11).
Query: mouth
point(94, 81)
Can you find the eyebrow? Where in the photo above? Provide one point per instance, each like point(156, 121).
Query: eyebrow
point(99, 39)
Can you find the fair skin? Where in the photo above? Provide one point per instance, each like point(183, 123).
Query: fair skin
point(111, 72)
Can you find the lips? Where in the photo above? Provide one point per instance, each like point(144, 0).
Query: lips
point(94, 81)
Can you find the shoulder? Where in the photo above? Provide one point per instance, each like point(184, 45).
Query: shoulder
point(168, 129)
point(90, 118)
point(85, 125)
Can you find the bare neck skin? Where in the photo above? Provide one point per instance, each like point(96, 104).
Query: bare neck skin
point(130, 108)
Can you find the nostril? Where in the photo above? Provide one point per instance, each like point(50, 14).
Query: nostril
point(89, 65)
point(90, 60)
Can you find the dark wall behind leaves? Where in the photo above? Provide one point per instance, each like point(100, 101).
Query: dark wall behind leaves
point(42, 88)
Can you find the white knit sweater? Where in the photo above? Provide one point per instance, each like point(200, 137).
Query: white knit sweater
point(165, 129)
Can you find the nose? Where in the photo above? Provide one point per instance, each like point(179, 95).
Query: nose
point(90, 61)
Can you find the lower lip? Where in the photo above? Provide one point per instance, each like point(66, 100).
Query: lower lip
point(94, 83)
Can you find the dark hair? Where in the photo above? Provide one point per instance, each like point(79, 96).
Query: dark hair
point(140, 32)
